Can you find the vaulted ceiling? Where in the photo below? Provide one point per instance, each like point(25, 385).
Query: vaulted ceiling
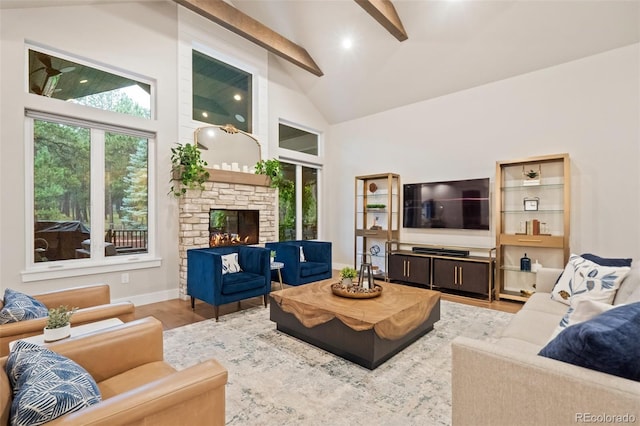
point(451, 45)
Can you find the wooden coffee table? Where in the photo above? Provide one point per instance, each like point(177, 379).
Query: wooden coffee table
point(365, 331)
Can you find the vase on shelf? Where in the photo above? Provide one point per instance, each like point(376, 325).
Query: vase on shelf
point(525, 263)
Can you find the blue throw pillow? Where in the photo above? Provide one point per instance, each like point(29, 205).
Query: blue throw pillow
point(19, 306)
point(610, 342)
point(603, 261)
point(46, 385)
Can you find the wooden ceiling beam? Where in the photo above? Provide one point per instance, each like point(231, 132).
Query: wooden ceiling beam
point(385, 13)
point(245, 26)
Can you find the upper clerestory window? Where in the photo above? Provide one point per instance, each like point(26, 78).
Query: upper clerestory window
point(70, 81)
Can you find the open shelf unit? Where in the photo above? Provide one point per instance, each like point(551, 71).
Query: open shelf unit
point(533, 217)
point(377, 219)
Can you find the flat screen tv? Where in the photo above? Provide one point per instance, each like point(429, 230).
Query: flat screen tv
point(456, 204)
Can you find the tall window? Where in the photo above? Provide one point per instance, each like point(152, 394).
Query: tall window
point(298, 199)
point(222, 94)
point(90, 179)
point(66, 157)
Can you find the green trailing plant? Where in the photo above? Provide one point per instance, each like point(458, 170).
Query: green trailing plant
point(348, 272)
point(60, 316)
point(376, 206)
point(273, 169)
point(189, 167)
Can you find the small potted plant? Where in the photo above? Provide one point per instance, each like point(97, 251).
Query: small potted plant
point(58, 325)
point(347, 274)
point(273, 256)
point(531, 176)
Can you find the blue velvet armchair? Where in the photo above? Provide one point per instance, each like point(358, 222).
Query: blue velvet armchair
point(206, 282)
point(317, 264)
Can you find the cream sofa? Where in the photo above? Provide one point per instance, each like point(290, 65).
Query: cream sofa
point(505, 382)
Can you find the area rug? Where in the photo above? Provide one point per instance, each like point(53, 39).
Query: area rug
point(275, 379)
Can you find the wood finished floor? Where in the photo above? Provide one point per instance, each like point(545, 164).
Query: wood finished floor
point(176, 312)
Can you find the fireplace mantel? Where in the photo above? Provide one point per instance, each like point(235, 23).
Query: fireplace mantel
point(228, 176)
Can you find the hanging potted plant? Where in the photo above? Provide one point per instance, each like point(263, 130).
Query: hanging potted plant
point(58, 323)
point(273, 169)
point(187, 169)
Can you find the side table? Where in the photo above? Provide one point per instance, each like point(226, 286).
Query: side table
point(75, 331)
point(277, 266)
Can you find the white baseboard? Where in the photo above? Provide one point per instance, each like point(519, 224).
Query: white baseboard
point(145, 299)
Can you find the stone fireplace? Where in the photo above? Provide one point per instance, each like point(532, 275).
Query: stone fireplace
point(228, 192)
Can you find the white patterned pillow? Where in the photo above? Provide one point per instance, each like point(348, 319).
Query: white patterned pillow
point(19, 306)
point(302, 258)
point(584, 278)
point(230, 263)
point(46, 385)
point(582, 309)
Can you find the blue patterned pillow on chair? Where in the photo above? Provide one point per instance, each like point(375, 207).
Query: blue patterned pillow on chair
point(46, 385)
point(19, 306)
point(230, 263)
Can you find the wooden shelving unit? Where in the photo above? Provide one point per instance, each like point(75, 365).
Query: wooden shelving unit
point(520, 201)
point(377, 218)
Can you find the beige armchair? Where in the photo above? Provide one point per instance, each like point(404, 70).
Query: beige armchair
point(94, 302)
point(137, 386)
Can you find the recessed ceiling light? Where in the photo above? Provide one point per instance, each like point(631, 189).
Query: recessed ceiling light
point(240, 118)
point(237, 97)
point(205, 114)
point(83, 81)
point(347, 43)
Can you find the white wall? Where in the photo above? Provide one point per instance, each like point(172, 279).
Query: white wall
point(144, 38)
point(587, 108)
point(139, 38)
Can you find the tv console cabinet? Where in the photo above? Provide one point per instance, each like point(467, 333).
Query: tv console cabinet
point(461, 269)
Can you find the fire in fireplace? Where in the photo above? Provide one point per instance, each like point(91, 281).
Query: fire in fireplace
point(233, 227)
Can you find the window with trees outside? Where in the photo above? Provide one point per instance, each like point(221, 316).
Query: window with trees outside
point(298, 195)
point(90, 179)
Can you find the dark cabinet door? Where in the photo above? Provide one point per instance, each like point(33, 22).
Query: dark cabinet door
point(412, 269)
point(445, 273)
point(472, 277)
point(397, 267)
point(418, 270)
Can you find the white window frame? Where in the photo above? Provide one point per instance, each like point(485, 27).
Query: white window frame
point(100, 121)
point(300, 160)
point(234, 62)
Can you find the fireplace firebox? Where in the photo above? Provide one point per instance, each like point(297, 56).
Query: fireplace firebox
point(233, 227)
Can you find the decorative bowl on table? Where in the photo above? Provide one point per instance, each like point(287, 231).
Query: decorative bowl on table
point(356, 291)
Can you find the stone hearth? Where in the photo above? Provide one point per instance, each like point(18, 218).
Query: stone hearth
point(224, 190)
